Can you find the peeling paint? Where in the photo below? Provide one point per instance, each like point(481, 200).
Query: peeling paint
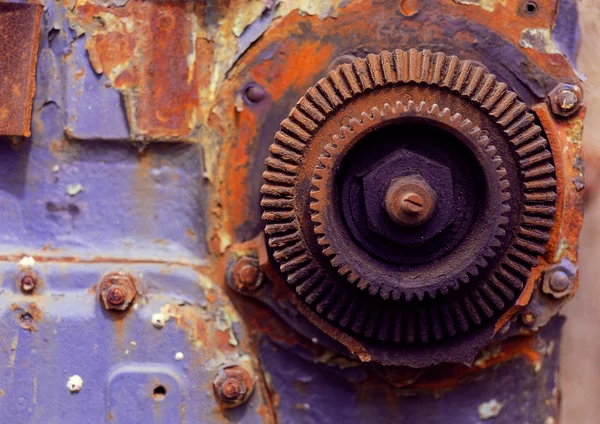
point(539, 39)
point(489, 409)
point(487, 5)
point(75, 384)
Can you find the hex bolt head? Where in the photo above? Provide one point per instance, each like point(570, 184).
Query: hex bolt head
point(558, 280)
point(233, 386)
point(117, 290)
point(254, 93)
point(410, 202)
point(28, 281)
point(246, 275)
point(565, 99)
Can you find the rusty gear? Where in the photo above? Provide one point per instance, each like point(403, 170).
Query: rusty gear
point(421, 280)
point(453, 274)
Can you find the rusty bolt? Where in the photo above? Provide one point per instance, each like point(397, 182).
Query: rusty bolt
point(409, 201)
point(246, 276)
point(558, 281)
point(528, 318)
point(115, 296)
point(254, 93)
point(233, 386)
point(565, 99)
point(117, 290)
point(28, 281)
point(231, 389)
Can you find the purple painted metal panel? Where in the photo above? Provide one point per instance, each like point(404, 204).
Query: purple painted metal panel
point(91, 204)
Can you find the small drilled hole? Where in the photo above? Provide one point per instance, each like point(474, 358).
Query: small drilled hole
point(530, 8)
point(159, 393)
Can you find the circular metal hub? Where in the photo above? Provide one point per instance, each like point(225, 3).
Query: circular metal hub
point(407, 197)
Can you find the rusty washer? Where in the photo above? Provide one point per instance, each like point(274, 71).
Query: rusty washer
point(117, 290)
point(233, 386)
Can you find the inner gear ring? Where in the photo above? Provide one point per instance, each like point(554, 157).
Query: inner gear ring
point(396, 283)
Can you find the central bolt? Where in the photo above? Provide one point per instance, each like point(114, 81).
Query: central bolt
point(410, 201)
point(115, 296)
point(232, 388)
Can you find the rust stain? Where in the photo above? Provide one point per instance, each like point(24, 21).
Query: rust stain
point(19, 37)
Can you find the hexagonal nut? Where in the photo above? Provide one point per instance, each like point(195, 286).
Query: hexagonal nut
point(245, 275)
point(233, 385)
point(117, 290)
point(559, 280)
point(404, 165)
point(565, 99)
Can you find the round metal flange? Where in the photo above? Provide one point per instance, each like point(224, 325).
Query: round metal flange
point(407, 197)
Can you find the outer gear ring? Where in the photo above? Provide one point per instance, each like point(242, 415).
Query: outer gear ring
point(293, 159)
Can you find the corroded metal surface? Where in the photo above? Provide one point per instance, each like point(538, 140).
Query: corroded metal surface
point(19, 36)
point(217, 79)
point(433, 286)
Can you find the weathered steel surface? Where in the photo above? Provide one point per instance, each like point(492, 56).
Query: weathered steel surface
point(515, 383)
point(19, 36)
point(215, 79)
point(123, 357)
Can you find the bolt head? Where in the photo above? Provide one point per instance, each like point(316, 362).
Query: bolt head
point(28, 282)
point(232, 389)
point(233, 386)
point(254, 93)
point(528, 318)
point(558, 281)
point(410, 201)
point(117, 290)
point(246, 275)
point(565, 99)
point(115, 296)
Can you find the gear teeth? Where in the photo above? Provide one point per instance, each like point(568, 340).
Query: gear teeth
point(489, 82)
point(447, 320)
point(495, 290)
point(360, 319)
point(461, 318)
point(482, 304)
point(423, 326)
point(338, 308)
point(435, 110)
point(436, 324)
point(397, 331)
point(502, 288)
point(384, 327)
point(349, 314)
point(328, 298)
point(472, 311)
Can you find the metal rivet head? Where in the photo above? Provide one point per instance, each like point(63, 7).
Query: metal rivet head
point(233, 385)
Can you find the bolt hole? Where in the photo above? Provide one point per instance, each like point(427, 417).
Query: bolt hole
point(159, 393)
point(530, 8)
